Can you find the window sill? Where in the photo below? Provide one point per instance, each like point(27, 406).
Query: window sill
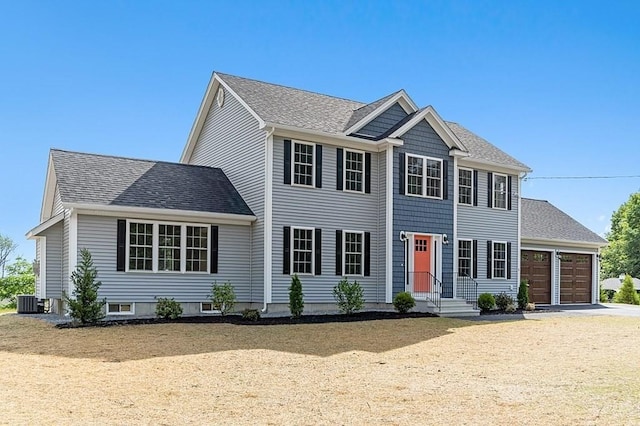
point(423, 196)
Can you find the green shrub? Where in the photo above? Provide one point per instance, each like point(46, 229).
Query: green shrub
point(486, 301)
point(223, 297)
point(503, 300)
point(19, 279)
point(85, 306)
point(296, 300)
point(523, 294)
point(403, 302)
point(251, 314)
point(349, 296)
point(627, 294)
point(168, 308)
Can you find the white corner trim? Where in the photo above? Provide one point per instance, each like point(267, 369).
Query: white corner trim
point(45, 225)
point(268, 217)
point(389, 227)
point(43, 267)
point(73, 247)
point(49, 190)
point(519, 243)
point(456, 177)
point(400, 97)
point(431, 116)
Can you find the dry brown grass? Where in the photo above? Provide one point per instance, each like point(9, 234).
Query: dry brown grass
point(414, 371)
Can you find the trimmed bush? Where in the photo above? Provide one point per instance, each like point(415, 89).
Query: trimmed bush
point(523, 294)
point(251, 314)
point(84, 306)
point(627, 294)
point(168, 308)
point(503, 300)
point(403, 302)
point(486, 301)
point(296, 298)
point(349, 296)
point(223, 297)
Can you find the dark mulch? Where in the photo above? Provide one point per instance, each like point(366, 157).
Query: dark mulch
point(518, 311)
point(238, 320)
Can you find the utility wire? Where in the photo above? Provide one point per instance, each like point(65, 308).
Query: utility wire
point(580, 177)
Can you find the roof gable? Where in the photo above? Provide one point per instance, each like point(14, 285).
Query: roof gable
point(542, 220)
point(431, 116)
point(366, 114)
point(103, 180)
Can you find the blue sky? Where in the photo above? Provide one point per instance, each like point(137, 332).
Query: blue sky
point(554, 84)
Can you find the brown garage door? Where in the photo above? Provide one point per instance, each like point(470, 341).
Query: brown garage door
point(575, 278)
point(535, 267)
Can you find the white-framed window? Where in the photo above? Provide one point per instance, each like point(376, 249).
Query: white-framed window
point(353, 171)
point(302, 254)
point(120, 308)
point(499, 259)
point(465, 186)
point(465, 258)
point(140, 246)
point(207, 307)
point(352, 252)
point(499, 191)
point(303, 164)
point(424, 176)
point(167, 247)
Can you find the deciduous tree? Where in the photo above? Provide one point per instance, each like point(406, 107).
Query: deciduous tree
point(622, 255)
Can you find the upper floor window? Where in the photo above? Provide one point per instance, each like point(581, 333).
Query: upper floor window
point(303, 164)
point(424, 176)
point(499, 260)
point(353, 171)
point(465, 186)
point(499, 191)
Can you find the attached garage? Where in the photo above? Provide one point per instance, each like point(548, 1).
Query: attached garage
point(559, 256)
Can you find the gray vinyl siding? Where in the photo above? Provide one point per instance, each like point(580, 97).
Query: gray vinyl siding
point(384, 121)
point(328, 209)
point(57, 202)
point(98, 234)
point(54, 261)
point(231, 140)
point(424, 215)
point(487, 224)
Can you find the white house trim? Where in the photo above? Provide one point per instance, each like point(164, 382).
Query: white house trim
point(431, 116)
point(49, 191)
point(73, 247)
point(268, 217)
point(43, 267)
point(389, 226)
point(491, 166)
point(455, 224)
point(400, 97)
point(45, 225)
point(317, 136)
point(563, 245)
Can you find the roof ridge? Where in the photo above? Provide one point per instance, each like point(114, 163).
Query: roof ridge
point(295, 88)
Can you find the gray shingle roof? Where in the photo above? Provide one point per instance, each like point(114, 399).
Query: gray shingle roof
point(362, 112)
point(481, 149)
point(542, 220)
point(117, 181)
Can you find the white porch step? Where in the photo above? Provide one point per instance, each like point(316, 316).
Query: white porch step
point(448, 308)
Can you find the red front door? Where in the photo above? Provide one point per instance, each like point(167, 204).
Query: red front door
point(422, 264)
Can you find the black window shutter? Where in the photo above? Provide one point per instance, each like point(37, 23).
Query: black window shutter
point(475, 187)
point(489, 253)
point(287, 162)
point(214, 250)
point(508, 192)
point(367, 254)
point(402, 171)
point(508, 261)
point(367, 173)
point(445, 180)
point(318, 252)
point(318, 166)
point(339, 252)
point(122, 245)
point(475, 259)
point(339, 169)
point(286, 251)
point(490, 189)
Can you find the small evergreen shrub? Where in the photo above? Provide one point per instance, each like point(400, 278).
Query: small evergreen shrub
point(511, 308)
point(251, 314)
point(85, 306)
point(168, 308)
point(523, 294)
point(486, 301)
point(627, 294)
point(403, 302)
point(503, 300)
point(349, 296)
point(223, 297)
point(296, 298)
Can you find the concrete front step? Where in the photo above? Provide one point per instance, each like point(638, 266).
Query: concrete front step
point(448, 308)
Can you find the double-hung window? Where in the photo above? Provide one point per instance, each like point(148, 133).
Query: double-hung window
point(499, 260)
point(197, 244)
point(353, 252)
point(140, 246)
point(303, 163)
point(302, 239)
point(424, 176)
point(465, 258)
point(353, 171)
point(465, 186)
point(169, 245)
point(499, 191)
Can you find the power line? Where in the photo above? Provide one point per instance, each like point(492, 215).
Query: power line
point(580, 177)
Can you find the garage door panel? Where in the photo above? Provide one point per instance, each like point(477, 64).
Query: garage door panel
point(575, 278)
point(535, 267)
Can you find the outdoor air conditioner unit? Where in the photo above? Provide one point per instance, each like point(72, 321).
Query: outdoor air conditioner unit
point(27, 304)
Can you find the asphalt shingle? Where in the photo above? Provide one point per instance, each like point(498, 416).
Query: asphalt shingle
point(118, 181)
point(543, 220)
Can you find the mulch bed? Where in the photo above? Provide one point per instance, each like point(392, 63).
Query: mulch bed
point(518, 311)
point(238, 320)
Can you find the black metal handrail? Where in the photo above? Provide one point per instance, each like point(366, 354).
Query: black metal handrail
point(426, 287)
point(468, 289)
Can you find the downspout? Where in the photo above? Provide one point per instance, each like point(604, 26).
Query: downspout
point(268, 218)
